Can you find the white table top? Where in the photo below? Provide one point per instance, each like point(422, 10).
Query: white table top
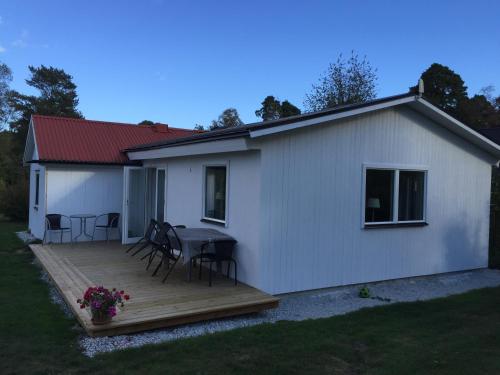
point(193, 238)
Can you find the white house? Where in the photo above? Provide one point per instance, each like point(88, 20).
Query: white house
point(387, 189)
point(76, 166)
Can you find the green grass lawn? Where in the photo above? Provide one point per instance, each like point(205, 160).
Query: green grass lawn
point(455, 335)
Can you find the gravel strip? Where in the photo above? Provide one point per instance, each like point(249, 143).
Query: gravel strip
point(54, 294)
point(299, 306)
point(26, 237)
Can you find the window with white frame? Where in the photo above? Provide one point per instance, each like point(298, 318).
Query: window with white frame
point(394, 196)
point(215, 193)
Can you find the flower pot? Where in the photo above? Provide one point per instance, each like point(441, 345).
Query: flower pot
point(98, 318)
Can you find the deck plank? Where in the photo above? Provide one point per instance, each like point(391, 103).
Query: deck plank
point(153, 305)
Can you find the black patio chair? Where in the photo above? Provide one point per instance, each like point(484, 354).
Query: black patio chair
point(54, 223)
point(158, 239)
point(107, 225)
point(146, 239)
point(170, 248)
point(223, 252)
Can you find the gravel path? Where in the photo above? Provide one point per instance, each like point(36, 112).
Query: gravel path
point(300, 306)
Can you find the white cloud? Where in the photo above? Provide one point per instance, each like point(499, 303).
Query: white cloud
point(21, 41)
point(2, 49)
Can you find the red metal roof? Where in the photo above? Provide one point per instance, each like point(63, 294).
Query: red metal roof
point(61, 139)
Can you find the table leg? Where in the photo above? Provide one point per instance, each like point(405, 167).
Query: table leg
point(85, 227)
point(79, 235)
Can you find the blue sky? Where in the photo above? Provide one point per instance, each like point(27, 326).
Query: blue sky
point(184, 62)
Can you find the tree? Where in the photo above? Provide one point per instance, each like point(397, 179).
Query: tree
point(479, 113)
point(270, 109)
point(146, 122)
point(444, 88)
point(488, 92)
point(57, 96)
point(5, 79)
point(273, 109)
point(345, 82)
point(199, 127)
point(288, 109)
point(227, 119)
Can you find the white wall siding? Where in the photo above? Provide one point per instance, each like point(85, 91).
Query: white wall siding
point(37, 213)
point(84, 190)
point(185, 194)
point(311, 234)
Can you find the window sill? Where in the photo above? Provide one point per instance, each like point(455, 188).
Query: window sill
point(215, 222)
point(395, 225)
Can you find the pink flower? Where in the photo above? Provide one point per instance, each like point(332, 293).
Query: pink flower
point(98, 298)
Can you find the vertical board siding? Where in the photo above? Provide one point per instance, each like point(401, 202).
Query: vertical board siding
point(311, 234)
point(185, 194)
point(85, 190)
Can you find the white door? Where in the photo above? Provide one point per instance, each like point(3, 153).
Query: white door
point(161, 183)
point(134, 204)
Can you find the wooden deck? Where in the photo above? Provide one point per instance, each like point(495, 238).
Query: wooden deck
point(152, 304)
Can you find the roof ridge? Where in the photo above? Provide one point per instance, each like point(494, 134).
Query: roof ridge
point(116, 123)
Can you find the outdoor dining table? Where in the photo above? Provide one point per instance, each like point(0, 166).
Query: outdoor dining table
point(83, 224)
point(193, 238)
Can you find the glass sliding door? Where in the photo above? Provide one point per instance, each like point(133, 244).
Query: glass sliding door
point(134, 204)
point(160, 195)
point(150, 194)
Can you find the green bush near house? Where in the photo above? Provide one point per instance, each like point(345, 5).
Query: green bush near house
point(364, 292)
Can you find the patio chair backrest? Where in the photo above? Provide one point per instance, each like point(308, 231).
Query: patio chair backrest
point(113, 218)
point(160, 235)
point(153, 226)
point(173, 238)
point(54, 221)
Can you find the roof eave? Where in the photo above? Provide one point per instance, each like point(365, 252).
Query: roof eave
point(358, 110)
point(414, 101)
point(423, 106)
point(280, 124)
point(189, 140)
